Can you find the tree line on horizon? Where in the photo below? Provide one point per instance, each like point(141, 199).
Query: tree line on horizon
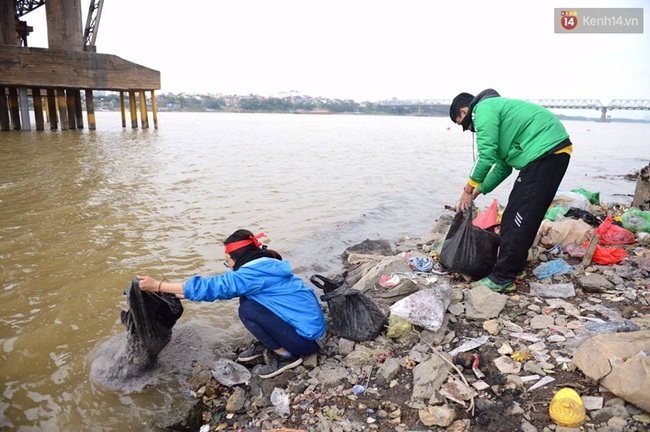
point(294, 104)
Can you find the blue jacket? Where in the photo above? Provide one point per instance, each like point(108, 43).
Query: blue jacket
point(271, 283)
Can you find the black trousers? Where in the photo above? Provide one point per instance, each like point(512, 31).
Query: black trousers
point(529, 200)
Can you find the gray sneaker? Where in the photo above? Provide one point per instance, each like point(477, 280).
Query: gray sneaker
point(255, 351)
point(279, 364)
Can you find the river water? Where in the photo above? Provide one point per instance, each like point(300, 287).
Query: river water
point(83, 212)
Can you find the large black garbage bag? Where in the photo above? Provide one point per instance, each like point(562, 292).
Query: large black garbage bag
point(148, 323)
point(468, 249)
point(354, 316)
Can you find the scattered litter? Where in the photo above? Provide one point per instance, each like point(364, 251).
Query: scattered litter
point(229, 373)
point(422, 264)
point(526, 336)
point(567, 409)
point(469, 345)
point(480, 385)
point(541, 383)
point(529, 378)
point(475, 368)
point(551, 268)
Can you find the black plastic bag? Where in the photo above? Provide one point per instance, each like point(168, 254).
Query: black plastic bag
point(148, 323)
point(577, 213)
point(354, 316)
point(468, 249)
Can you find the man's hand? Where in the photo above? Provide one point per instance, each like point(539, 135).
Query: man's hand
point(465, 201)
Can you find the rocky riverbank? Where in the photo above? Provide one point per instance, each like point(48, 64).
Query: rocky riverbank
point(494, 363)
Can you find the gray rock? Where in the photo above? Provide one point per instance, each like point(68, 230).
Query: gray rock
point(388, 371)
point(330, 376)
point(437, 416)
point(346, 346)
point(595, 283)
point(419, 353)
point(429, 376)
point(482, 303)
point(565, 290)
point(542, 321)
point(456, 309)
point(236, 400)
point(527, 427)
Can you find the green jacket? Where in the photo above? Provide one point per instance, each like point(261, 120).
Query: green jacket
point(510, 133)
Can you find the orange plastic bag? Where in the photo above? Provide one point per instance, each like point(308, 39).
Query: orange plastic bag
point(611, 234)
point(488, 218)
point(605, 255)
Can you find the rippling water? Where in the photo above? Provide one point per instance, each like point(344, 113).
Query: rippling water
point(82, 212)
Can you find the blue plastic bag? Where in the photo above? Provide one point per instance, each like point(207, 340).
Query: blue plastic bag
point(550, 268)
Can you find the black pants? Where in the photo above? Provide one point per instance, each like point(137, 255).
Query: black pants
point(529, 200)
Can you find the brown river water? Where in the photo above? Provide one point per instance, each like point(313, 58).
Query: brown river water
point(83, 212)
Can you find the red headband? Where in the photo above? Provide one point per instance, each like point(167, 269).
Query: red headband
point(240, 244)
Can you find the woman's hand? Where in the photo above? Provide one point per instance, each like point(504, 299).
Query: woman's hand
point(147, 283)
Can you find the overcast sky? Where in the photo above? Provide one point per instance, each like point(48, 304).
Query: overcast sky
point(372, 49)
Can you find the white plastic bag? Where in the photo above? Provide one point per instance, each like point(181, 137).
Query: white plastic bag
point(570, 199)
point(425, 308)
point(229, 373)
point(280, 400)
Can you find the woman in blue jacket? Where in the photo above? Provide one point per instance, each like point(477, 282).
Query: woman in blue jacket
point(274, 305)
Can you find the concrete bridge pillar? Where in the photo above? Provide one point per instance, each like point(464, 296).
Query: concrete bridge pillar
point(603, 114)
point(8, 35)
point(64, 25)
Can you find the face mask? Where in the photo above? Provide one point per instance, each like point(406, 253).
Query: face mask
point(467, 122)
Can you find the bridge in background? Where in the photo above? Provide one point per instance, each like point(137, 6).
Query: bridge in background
point(584, 104)
point(54, 77)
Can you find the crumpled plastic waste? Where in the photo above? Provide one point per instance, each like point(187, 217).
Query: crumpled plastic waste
point(593, 197)
point(397, 326)
point(611, 234)
point(570, 199)
point(280, 400)
point(488, 218)
point(469, 345)
point(422, 264)
point(575, 251)
point(606, 255)
point(555, 212)
point(551, 268)
point(425, 308)
point(229, 373)
point(389, 281)
point(636, 220)
point(576, 213)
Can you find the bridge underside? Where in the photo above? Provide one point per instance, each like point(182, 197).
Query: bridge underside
point(61, 75)
point(40, 67)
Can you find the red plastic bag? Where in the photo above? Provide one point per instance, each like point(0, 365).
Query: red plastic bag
point(605, 255)
point(611, 234)
point(488, 218)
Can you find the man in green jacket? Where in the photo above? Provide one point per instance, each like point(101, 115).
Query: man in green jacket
point(521, 135)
